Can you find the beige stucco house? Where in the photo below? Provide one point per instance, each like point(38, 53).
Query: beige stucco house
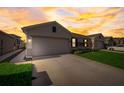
point(52, 38)
point(118, 41)
point(46, 39)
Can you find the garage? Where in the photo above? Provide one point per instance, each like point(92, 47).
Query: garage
point(42, 46)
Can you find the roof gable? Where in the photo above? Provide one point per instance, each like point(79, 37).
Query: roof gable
point(45, 29)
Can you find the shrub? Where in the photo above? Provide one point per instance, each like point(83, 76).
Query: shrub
point(15, 75)
point(82, 51)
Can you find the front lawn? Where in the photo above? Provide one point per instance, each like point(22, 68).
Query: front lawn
point(15, 75)
point(110, 58)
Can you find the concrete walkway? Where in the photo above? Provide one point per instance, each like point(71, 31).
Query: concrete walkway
point(19, 58)
point(70, 69)
point(9, 54)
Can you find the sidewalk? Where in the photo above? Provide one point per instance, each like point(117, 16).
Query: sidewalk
point(9, 54)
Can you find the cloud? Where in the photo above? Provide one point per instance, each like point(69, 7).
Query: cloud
point(76, 19)
point(116, 32)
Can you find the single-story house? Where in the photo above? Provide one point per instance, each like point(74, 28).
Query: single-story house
point(97, 41)
point(109, 41)
point(118, 41)
point(80, 42)
point(46, 39)
point(8, 43)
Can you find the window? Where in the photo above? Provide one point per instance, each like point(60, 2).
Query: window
point(73, 42)
point(17, 41)
point(54, 29)
point(100, 37)
point(85, 42)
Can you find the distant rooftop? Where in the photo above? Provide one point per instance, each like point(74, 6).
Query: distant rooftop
point(10, 35)
point(95, 35)
point(80, 35)
point(15, 36)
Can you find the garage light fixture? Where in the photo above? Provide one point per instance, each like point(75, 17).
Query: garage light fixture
point(29, 40)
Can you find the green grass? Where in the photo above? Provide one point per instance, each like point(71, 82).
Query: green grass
point(15, 75)
point(110, 58)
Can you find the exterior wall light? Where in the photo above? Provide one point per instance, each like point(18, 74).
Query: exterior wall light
point(29, 40)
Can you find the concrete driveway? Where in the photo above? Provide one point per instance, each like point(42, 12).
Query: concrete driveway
point(70, 69)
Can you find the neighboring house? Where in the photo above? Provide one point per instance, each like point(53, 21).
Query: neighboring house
point(8, 43)
point(118, 41)
point(18, 42)
point(109, 41)
point(80, 42)
point(46, 39)
point(97, 41)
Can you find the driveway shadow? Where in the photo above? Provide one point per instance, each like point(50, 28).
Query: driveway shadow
point(40, 78)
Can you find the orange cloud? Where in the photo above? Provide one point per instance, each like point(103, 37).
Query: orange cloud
point(79, 20)
point(115, 32)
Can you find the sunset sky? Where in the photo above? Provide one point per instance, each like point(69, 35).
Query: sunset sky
point(108, 21)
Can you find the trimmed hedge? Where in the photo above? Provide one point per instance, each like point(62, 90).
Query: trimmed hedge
point(15, 75)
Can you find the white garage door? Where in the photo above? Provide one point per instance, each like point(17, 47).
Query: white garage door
point(49, 46)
